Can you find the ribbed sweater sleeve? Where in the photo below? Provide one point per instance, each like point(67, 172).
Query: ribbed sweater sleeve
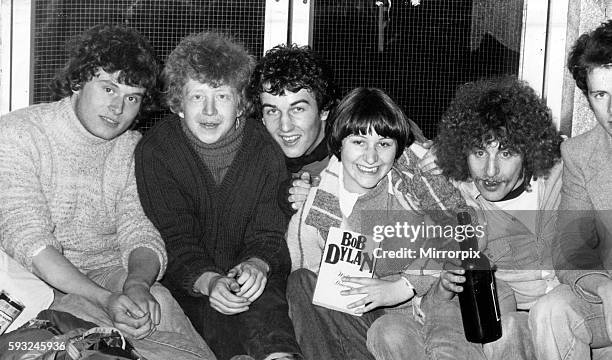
point(172, 211)
point(134, 229)
point(265, 236)
point(25, 218)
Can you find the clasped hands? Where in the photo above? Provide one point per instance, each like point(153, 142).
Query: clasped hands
point(135, 312)
point(243, 284)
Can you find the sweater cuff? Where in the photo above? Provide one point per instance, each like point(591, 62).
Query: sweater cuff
point(278, 261)
point(25, 258)
point(189, 279)
point(420, 283)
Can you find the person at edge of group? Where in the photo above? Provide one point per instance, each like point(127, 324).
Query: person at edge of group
point(293, 91)
point(374, 167)
point(69, 208)
point(574, 321)
point(497, 141)
point(208, 178)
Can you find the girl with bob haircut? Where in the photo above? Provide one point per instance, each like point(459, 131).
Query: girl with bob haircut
point(372, 173)
point(367, 109)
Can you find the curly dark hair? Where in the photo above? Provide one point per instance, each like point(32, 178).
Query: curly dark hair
point(112, 48)
point(591, 50)
point(500, 109)
point(364, 109)
point(292, 68)
point(209, 57)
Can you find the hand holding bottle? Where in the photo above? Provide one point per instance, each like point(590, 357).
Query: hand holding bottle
point(450, 282)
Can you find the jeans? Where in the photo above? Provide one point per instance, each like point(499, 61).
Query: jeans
point(263, 329)
point(174, 338)
point(565, 326)
point(398, 335)
point(323, 333)
point(515, 342)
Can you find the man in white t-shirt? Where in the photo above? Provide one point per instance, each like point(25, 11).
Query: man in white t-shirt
point(498, 143)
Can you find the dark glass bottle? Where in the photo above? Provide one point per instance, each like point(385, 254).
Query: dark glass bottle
point(478, 300)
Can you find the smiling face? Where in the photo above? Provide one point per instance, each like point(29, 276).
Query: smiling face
point(294, 121)
point(599, 82)
point(105, 107)
point(209, 112)
point(495, 171)
point(366, 160)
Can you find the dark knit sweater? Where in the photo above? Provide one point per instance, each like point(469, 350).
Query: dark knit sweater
point(217, 157)
point(209, 227)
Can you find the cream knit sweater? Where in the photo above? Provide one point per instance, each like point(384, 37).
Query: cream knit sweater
point(61, 186)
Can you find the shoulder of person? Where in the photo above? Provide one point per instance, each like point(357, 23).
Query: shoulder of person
point(258, 130)
point(27, 117)
point(581, 146)
point(264, 141)
point(584, 140)
point(163, 132)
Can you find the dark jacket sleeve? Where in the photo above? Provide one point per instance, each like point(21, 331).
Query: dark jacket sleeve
point(168, 205)
point(265, 235)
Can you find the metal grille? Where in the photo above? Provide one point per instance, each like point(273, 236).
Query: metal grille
point(164, 23)
point(418, 54)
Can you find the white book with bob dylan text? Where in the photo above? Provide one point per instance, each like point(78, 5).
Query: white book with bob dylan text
point(346, 253)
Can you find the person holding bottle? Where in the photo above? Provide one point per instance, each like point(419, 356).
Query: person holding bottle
point(498, 143)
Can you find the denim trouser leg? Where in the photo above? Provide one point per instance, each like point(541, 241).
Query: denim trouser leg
point(397, 336)
point(323, 333)
point(263, 329)
point(173, 319)
point(515, 342)
point(564, 326)
point(161, 345)
point(443, 330)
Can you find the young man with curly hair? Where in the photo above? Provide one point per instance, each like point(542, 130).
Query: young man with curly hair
point(69, 208)
point(575, 320)
point(498, 143)
point(208, 178)
point(293, 90)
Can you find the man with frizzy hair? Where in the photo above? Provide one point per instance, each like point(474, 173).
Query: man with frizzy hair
point(498, 143)
point(575, 320)
point(69, 208)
